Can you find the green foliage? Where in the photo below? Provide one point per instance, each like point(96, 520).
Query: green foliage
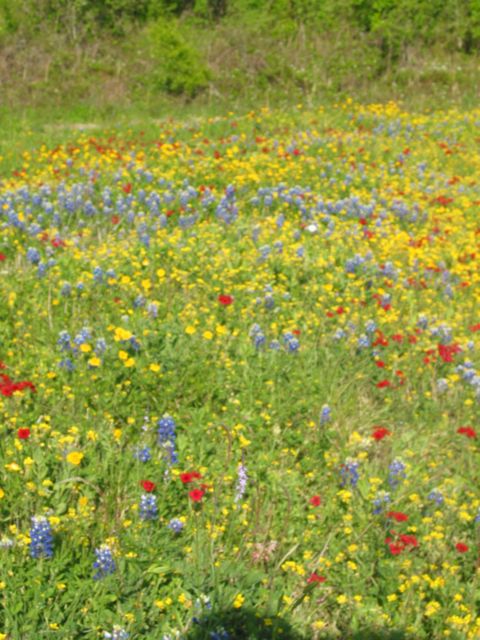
point(177, 66)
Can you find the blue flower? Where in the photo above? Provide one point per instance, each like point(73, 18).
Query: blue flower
point(167, 437)
point(325, 414)
point(33, 255)
point(242, 479)
point(41, 538)
point(382, 499)
point(436, 495)
point(396, 473)
point(349, 472)
point(176, 525)
point(104, 562)
point(148, 507)
point(143, 454)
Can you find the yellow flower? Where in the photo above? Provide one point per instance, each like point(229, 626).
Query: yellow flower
point(94, 362)
point(122, 334)
point(130, 362)
point(123, 355)
point(342, 599)
point(243, 441)
point(238, 601)
point(2, 493)
point(190, 330)
point(155, 368)
point(85, 348)
point(75, 457)
point(319, 624)
point(208, 335)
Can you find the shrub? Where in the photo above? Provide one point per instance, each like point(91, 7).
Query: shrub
point(177, 66)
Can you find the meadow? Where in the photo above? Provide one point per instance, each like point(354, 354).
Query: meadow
point(240, 379)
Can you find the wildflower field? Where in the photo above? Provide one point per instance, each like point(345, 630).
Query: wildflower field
point(240, 381)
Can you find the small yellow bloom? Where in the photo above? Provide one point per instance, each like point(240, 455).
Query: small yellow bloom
point(243, 441)
point(155, 368)
point(94, 362)
point(130, 362)
point(238, 601)
point(85, 348)
point(75, 457)
point(208, 335)
point(190, 330)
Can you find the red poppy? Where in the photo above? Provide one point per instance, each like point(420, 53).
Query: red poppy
point(398, 516)
point(473, 328)
point(461, 547)
point(380, 364)
point(115, 219)
point(148, 485)
point(189, 476)
point(467, 431)
point(315, 578)
point(127, 188)
point(225, 299)
point(23, 434)
point(196, 494)
point(2, 257)
point(315, 501)
point(380, 433)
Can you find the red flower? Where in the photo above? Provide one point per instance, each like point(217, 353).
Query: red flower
point(380, 364)
point(447, 351)
point(380, 433)
point(23, 434)
point(395, 549)
point(196, 494)
point(398, 516)
point(383, 384)
point(467, 431)
point(225, 299)
point(409, 540)
point(315, 578)
point(127, 188)
point(115, 219)
point(189, 476)
point(2, 257)
point(148, 485)
point(315, 501)
point(461, 547)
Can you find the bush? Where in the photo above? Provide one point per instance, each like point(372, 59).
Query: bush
point(177, 66)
